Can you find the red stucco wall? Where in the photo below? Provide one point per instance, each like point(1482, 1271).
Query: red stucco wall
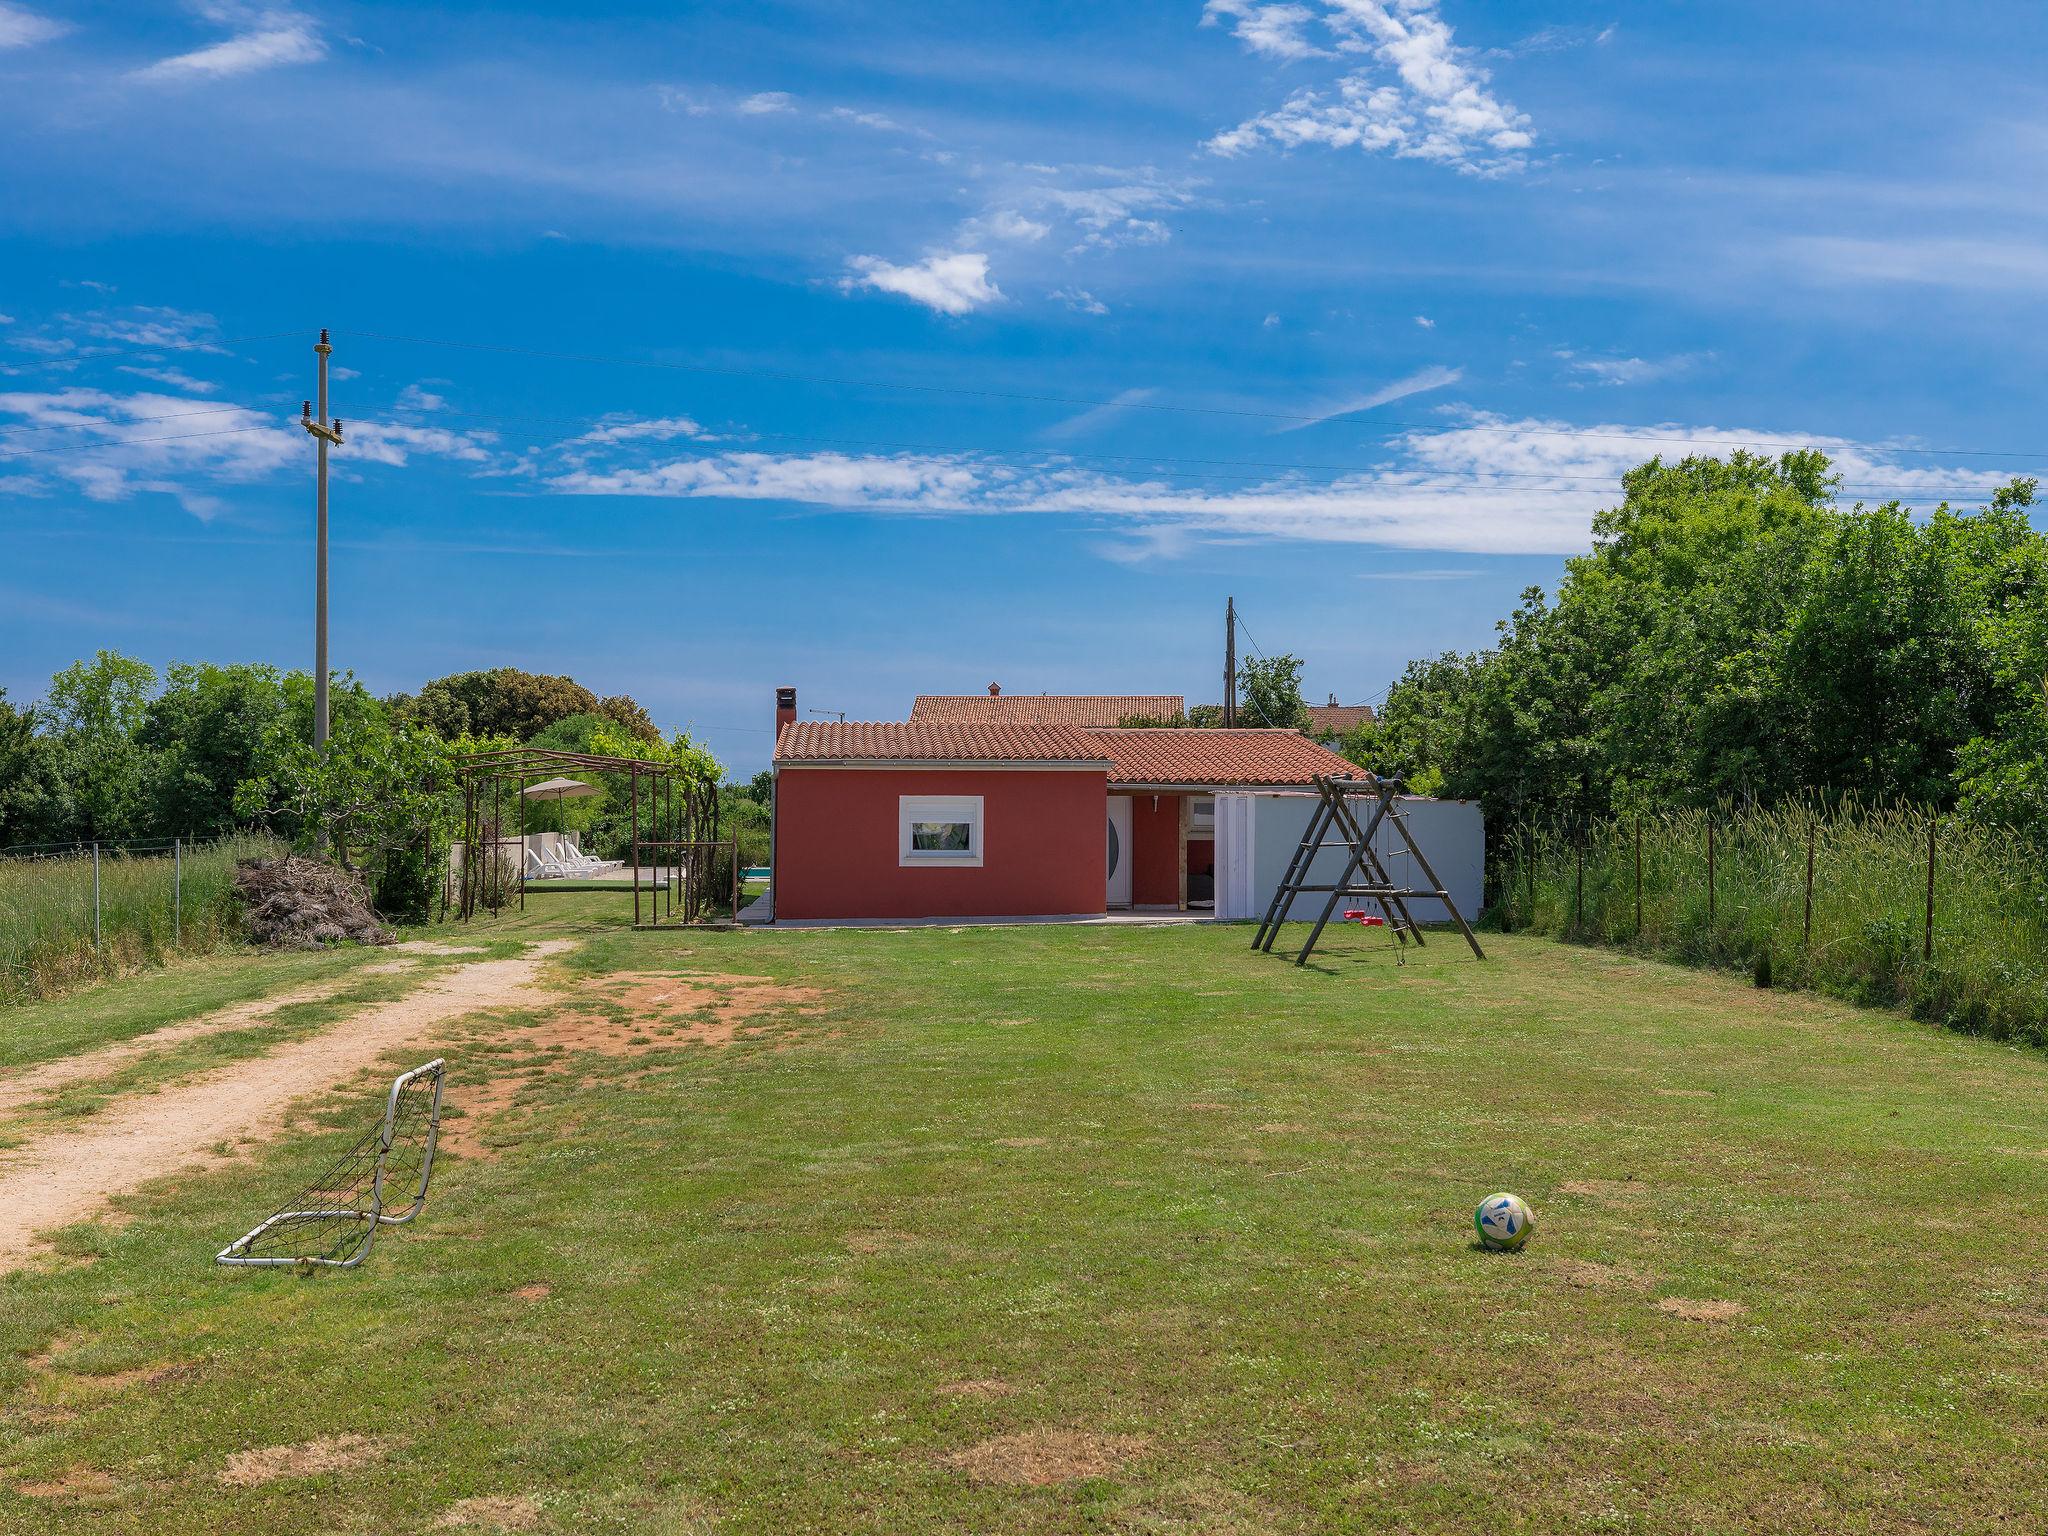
point(1155, 850)
point(1043, 834)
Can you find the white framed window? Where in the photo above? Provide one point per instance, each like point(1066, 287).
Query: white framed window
point(938, 831)
point(1201, 816)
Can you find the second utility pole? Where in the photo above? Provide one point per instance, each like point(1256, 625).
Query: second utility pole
point(325, 433)
point(1230, 661)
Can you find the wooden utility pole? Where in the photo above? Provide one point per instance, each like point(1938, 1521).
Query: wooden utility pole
point(1230, 661)
point(325, 433)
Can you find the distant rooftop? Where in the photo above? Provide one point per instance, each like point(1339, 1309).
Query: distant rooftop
point(996, 708)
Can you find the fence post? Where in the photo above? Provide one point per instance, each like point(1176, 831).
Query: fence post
point(96, 940)
point(1579, 899)
point(1710, 874)
point(1639, 875)
point(177, 893)
point(1812, 824)
point(1927, 937)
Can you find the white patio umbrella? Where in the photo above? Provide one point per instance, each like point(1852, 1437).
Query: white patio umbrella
point(560, 789)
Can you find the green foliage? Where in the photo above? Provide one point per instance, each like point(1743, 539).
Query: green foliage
point(505, 701)
point(206, 733)
point(1733, 636)
point(95, 708)
point(34, 802)
point(1269, 692)
point(380, 786)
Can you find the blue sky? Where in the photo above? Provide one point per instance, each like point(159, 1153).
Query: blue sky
point(886, 349)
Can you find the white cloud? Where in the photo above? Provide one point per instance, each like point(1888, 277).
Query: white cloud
point(767, 103)
point(1946, 261)
point(952, 282)
point(1436, 376)
point(1277, 31)
point(394, 443)
point(23, 28)
point(1079, 299)
point(1438, 107)
point(881, 122)
point(175, 378)
point(1425, 322)
point(1095, 416)
point(660, 429)
point(414, 398)
point(675, 99)
point(1628, 370)
point(111, 447)
point(271, 38)
point(1006, 224)
point(146, 325)
point(1486, 485)
point(901, 482)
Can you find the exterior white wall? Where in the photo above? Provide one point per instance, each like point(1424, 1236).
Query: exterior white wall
point(1256, 834)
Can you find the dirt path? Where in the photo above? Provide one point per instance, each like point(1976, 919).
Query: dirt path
point(46, 1077)
point(69, 1176)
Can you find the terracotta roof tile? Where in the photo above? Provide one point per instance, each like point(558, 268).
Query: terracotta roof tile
point(832, 741)
point(1337, 718)
point(1218, 757)
point(1101, 709)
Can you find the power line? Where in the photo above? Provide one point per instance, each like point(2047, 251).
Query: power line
point(115, 426)
point(123, 442)
point(786, 376)
point(143, 348)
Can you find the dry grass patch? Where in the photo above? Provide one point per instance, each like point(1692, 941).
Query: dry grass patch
point(330, 1453)
point(1701, 1311)
point(1588, 1275)
point(986, 1387)
point(491, 1512)
point(81, 1483)
point(1040, 1458)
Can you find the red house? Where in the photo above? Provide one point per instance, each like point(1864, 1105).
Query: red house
point(943, 818)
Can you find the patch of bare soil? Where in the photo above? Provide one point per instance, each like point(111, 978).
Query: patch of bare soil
point(877, 1242)
point(492, 1512)
point(49, 1076)
point(537, 1291)
point(434, 947)
point(633, 1014)
point(986, 1387)
point(68, 1176)
point(77, 1483)
point(1702, 1311)
point(1039, 1458)
point(330, 1453)
point(1588, 1275)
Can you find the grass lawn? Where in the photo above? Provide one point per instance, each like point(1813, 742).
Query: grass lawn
point(1088, 1229)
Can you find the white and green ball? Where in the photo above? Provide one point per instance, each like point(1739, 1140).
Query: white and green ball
point(1504, 1222)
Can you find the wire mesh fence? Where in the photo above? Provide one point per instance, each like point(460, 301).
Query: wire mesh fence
point(1887, 906)
point(75, 911)
point(380, 1181)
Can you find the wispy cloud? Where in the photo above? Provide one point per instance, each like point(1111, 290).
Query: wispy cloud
point(1438, 105)
point(1436, 376)
point(767, 104)
point(661, 429)
point(1986, 264)
point(1277, 31)
point(1485, 485)
point(175, 378)
point(1628, 370)
point(1079, 299)
point(881, 122)
point(23, 28)
point(268, 39)
point(951, 282)
point(1088, 420)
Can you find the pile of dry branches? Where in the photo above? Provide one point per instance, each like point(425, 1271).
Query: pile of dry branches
point(296, 903)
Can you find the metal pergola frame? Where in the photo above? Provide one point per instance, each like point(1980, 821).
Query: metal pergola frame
point(681, 814)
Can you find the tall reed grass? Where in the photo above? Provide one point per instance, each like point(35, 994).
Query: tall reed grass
point(46, 912)
point(1866, 937)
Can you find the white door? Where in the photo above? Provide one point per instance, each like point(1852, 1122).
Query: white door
point(1119, 850)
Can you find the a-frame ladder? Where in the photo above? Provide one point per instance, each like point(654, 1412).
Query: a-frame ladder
point(1365, 876)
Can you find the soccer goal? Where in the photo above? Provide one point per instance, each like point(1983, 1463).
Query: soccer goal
point(381, 1181)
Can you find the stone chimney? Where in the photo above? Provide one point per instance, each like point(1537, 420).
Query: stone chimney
point(995, 690)
point(785, 710)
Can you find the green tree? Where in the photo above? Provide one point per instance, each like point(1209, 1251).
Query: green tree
point(1269, 692)
point(505, 701)
point(207, 732)
point(33, 803)
point(94, 711)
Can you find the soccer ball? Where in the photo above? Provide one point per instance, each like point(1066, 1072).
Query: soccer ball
point(1504, 1222)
